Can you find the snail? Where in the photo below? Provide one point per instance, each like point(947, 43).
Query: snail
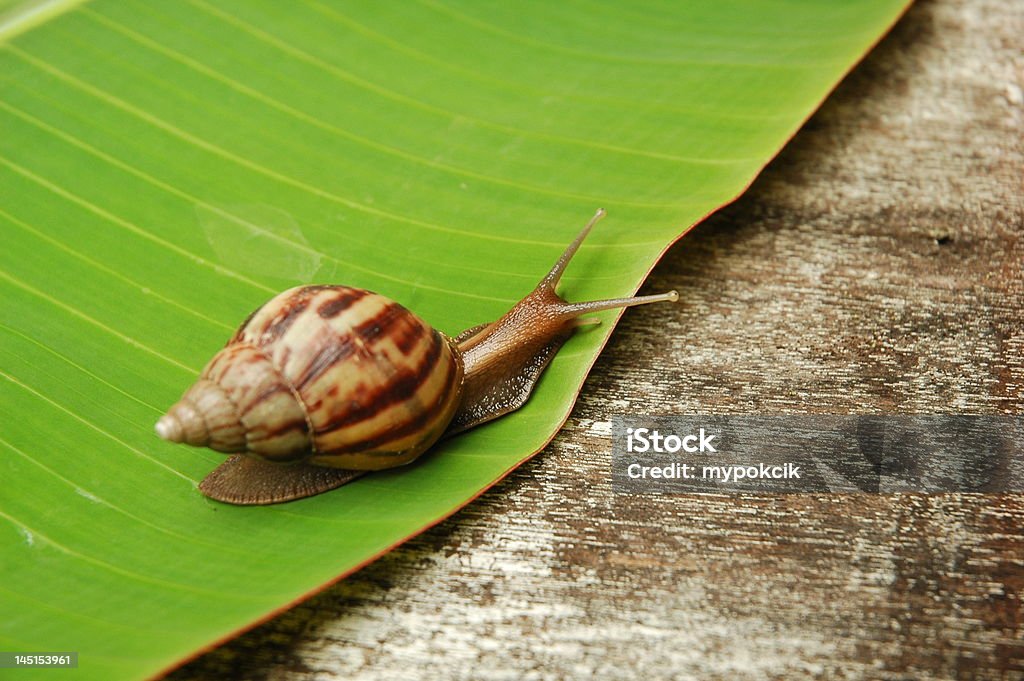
point(322, 384)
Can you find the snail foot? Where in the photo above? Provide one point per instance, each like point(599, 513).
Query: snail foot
point(245, 481)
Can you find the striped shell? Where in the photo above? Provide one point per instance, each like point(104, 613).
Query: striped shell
point(330, 375)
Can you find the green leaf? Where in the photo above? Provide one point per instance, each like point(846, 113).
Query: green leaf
point(166, 167)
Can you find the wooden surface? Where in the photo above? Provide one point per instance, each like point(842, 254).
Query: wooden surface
point(875, 267)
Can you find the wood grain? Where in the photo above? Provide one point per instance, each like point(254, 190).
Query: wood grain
point(875, 267)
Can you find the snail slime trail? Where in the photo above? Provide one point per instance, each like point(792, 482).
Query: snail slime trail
point(325, 383)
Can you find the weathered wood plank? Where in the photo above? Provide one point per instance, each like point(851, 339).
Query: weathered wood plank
point(875, 267)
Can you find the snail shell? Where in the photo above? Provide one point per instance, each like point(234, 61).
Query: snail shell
point(328, 375)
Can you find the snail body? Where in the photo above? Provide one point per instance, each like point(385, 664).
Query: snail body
point(324, 383)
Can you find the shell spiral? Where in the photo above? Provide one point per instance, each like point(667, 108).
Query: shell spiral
point(330, 375)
